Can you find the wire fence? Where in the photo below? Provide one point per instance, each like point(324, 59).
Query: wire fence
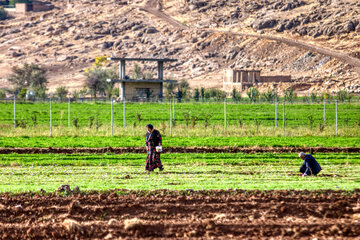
point(190, 113)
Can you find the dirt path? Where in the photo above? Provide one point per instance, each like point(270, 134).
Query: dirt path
point(151, 7)
point(165, 214)
point(182, 150)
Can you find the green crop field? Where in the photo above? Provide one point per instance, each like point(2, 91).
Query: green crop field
point(98, 142)
point(201, 119)
point(32, 172)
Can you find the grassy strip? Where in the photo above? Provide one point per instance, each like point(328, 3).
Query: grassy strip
point(97, 142)
point(20, 173)
point(296, 114)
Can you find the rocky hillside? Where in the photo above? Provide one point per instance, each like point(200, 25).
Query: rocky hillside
point(206, 37)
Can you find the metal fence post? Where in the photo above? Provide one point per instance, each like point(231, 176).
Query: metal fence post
point(171, 117)
point(69, 114)
point(276, 120)
point(324, 111)
point(112, 117)
point(124, 113)
point(284, 119)
point(336, 118)
point(14, 110)
point(225, 117)
point(50, 118)
point(173, 108)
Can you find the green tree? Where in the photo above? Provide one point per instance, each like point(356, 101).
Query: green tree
point(343, 95)
point(137, 72)
point(290, 95)
point(2, 94)
point(270, 95)
point(75, 95)
point(202, 93)
point(183, 88)
point(29, 76)
point(253, 94)
point(196, 94)
point(96, 81)
point(170, 89)
point(236, 95)
point(61, 93)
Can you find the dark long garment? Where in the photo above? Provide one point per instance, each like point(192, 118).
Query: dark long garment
point(152, 140)
point(310, 166)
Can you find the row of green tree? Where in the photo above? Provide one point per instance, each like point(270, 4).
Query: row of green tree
point(29, 82)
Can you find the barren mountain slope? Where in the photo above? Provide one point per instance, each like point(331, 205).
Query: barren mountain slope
point(67, 39)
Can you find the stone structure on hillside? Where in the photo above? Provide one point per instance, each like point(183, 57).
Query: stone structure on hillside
point(242, 79)
point(31, 6)
point(140, 89)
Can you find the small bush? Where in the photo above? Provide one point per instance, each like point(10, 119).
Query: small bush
point(76, 122)
point(3, 14)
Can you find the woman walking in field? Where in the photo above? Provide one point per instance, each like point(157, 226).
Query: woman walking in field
point(152, 140)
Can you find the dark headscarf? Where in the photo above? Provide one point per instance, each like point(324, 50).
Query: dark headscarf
point(151, 127)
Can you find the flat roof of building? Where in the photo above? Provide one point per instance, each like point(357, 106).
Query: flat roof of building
point(143, 59)
point(142, 80)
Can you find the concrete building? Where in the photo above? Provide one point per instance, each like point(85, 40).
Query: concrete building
point(241, 79)
point(31, 6)
point(141, 89)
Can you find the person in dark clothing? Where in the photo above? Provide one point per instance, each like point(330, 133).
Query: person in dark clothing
point(152, 140)
point(310, 165)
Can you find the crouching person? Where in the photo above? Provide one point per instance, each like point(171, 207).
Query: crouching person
point(310, 165)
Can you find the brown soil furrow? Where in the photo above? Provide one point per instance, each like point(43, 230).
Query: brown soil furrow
point(170, 214)
point(182, 150)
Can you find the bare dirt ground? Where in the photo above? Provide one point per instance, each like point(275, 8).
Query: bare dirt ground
point(188, 214)
point(181, 150)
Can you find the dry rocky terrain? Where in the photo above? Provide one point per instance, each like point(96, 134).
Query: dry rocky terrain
point(206, 37)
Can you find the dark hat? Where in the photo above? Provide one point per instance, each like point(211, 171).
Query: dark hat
point(150, 126)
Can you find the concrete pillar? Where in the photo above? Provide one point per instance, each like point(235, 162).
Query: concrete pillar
point(122, 77)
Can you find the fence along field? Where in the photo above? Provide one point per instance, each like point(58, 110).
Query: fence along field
point(198, 118)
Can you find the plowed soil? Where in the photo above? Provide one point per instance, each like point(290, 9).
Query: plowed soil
point(164, 214)
point(182, 150)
